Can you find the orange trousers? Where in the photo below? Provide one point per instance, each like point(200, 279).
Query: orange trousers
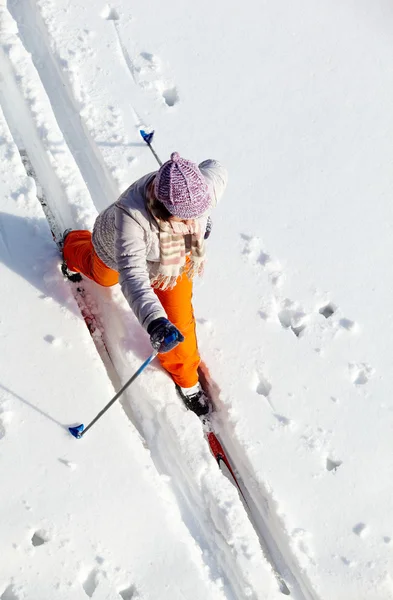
point(182, 362)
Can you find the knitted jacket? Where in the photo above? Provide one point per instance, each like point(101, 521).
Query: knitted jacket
point(126, 238)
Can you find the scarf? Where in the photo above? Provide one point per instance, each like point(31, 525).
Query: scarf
point(173, 259)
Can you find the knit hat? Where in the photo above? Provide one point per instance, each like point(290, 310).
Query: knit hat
point(181, 188)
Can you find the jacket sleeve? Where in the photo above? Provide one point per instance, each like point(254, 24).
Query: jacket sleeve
point(216, 176)
point(130, 253)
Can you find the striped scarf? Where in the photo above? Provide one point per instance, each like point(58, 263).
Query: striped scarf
point(173, 259)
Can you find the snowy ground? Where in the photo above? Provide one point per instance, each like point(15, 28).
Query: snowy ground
point(294, 312)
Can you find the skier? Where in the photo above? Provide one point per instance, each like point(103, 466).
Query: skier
point(152, 241)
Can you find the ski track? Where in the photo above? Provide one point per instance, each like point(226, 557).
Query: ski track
point(221, 561)
point(103, 190)
point(225, 566)
point(93, 169)
point(267, 525)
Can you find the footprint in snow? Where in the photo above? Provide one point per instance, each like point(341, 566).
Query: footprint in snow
point(283, 422)
point(360, 373)
point(332, 464)
point(145, 68)
point(54, 341)
point(262, 385)
point(289, 313)
point(330, 309)
point(90, 582)
point(347, 561)
point(268, 309)
point(291, 316)
point(348, 324)
point(148, 68)
point(360, 529)
point(255, 253)
point(96, 577)
point(263, 388)
point(302, 540)
point(11, 592)
point(110, 14)
point(316, 440)
point(127, 593)
point(40, 537)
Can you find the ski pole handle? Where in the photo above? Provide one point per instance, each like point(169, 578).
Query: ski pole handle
point(170, 338)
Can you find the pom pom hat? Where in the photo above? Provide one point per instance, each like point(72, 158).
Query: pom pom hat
point(181, 188)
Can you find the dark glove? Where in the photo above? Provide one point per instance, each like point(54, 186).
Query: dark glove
point(208, 229)
point(163, 335)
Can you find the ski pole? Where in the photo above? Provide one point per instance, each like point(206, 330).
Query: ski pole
point(148, 138)
point(79, 431)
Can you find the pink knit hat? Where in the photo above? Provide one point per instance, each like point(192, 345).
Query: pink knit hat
point(181, 187)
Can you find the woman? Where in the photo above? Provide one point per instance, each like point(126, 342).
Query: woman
point(152, 241)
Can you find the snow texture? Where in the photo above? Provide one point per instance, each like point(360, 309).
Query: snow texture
point(293, 313)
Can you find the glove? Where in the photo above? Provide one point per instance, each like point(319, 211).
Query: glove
point(163, 335)
point(209, 226)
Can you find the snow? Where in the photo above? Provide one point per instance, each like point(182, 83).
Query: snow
point(92, 520)
point(293, 313)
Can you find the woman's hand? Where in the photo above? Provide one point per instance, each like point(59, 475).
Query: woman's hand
point(163, 335)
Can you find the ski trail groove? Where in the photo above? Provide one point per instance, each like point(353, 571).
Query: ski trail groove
point(100, 183)
point(205, 530)
point(113, 375)
point(13, 103)
point(93, 171)
point(265, 522)
point(77, 289)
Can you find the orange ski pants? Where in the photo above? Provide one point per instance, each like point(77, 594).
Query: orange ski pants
point(182, 362)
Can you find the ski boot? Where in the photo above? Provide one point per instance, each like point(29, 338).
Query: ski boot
point(195, 399)
point(71, 275)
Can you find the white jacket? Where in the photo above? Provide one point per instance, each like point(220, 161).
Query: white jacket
point(126, 238)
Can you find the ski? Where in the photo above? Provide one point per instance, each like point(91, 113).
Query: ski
point(95, 329)
point(219, 453)
point(222, 459)
point(229, 470)
point(93, 325)
point(215, 445)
